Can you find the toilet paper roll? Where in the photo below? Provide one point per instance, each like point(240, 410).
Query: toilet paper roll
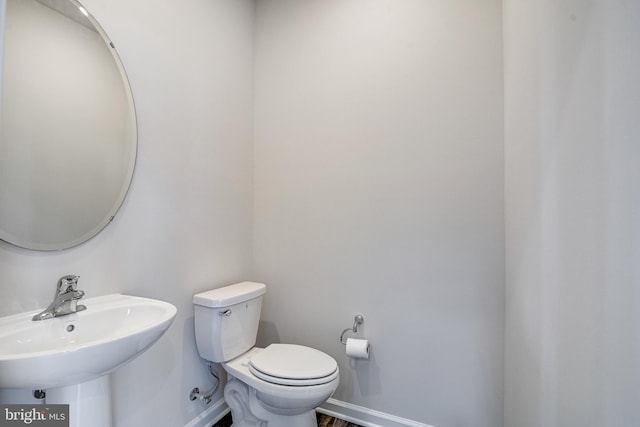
point(358, 349)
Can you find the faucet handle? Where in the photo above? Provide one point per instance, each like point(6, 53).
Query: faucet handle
point(67, 283)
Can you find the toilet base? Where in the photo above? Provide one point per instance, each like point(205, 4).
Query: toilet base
point(248, 411)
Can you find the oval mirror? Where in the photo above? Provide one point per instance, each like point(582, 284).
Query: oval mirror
point(68, 130)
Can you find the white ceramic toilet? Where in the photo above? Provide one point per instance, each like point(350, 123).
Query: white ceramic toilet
point(278, 386)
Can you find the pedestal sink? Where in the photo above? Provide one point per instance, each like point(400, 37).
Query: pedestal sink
point(71, 356)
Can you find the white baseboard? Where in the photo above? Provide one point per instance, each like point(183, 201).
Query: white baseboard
point(335, 408)
point(364, 416)
point(211, 415)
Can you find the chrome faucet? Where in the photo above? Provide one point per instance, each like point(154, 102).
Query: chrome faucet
point(65, 301)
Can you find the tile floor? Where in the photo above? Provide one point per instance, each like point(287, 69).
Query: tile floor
point(323, 421)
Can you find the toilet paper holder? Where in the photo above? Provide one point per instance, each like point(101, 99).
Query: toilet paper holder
point(357, 320)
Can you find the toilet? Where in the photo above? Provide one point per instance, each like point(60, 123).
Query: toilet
point(277, 386)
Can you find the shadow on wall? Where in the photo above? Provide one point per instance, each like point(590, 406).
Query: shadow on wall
point(267, 334)
point(203, 379)
point(367, 375)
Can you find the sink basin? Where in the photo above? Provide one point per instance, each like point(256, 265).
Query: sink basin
point(82, 346)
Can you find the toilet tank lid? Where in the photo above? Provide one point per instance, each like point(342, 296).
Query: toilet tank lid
point(230, 295)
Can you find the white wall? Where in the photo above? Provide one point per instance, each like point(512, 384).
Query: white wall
point(379, 189)
point(572, 213)
point(186, 223)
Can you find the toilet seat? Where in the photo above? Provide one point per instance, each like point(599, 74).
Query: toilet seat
point(293, 365)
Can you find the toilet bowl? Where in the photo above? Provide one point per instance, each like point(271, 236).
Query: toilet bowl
point(277, 386)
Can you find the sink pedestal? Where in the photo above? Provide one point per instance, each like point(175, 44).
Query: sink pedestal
point(89, 402)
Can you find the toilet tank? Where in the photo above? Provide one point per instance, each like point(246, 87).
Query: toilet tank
point(226, 320)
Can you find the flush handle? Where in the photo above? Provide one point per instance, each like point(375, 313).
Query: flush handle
point(225, 313)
